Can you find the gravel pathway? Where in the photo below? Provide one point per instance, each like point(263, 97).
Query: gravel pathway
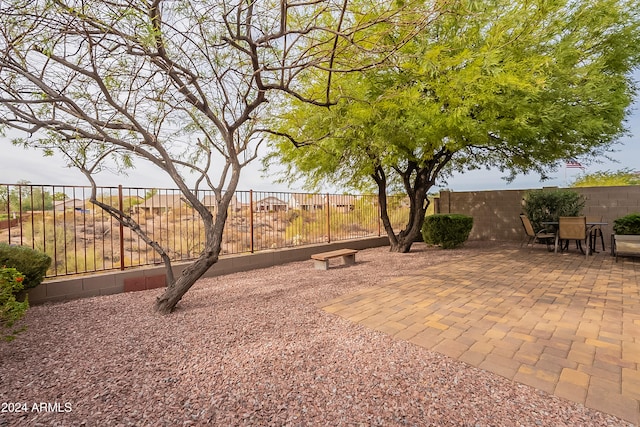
point(253, 349)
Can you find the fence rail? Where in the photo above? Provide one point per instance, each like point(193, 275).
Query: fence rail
point(82, 238)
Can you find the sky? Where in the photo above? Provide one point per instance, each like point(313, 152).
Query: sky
point(20, 164)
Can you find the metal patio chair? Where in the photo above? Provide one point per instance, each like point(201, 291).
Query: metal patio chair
point(542, 236)
point(573, 228)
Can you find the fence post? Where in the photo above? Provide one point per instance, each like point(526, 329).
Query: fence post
point(251, 219)
point(121, 227)
point(328, 220)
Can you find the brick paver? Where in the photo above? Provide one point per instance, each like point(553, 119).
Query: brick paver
point(560, 323)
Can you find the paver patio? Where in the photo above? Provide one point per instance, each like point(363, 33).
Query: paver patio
point(561, 323)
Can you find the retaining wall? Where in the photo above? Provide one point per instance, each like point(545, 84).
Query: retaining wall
point(154, 277)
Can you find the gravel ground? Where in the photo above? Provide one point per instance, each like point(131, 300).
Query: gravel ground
point(253, 349)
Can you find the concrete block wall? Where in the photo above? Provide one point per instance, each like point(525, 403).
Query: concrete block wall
point(61, 289)
point(496, 213)
point(611, 203)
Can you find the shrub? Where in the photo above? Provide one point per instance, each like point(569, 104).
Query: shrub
point(31, 263)
point(448, 230)
point(628, 224)
point(11, 283)
point(548, 205)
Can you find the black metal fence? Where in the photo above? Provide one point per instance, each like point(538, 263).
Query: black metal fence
point(82, 238)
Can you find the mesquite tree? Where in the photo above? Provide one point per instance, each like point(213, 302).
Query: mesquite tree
point(181, 84)
point(516, 85)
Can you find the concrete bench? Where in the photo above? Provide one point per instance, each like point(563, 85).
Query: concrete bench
point(321, 260)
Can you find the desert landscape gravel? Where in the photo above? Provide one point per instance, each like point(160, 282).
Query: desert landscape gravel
point(253, 348)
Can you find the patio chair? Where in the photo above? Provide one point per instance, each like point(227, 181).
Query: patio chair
point(595, 231)
point(573, 228)
point(541, 236)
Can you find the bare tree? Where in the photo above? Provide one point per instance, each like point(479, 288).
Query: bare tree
point(181, 84)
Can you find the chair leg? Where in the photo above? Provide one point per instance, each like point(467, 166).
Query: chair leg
point(587, 251)
point(527, 240)
point(580, 248)
point(602, 239)
point(593, 237)
point(550, 244)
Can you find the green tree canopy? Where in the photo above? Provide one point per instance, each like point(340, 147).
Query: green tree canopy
point(608, 178)
point(509, 84)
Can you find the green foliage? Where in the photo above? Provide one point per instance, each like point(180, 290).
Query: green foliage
point(628, 224)
point(503, 85)
point(24, 197)
point(11, 310)
point(608, 178)
point(515, 85)
point(306, 227)
point(548, 205)
point(448, 230)
point(32, 263)
point(150, 193)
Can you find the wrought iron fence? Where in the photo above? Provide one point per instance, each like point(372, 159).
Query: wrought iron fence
point(82, 238)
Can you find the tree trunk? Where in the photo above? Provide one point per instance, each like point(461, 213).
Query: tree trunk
point(418, 203)
point(403, 243)
point(176, 289)
point(404, 240)
point(174, 292)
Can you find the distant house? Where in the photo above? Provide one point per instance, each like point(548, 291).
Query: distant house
point(345, 202)
point(270, 204)
point(69, 204)
point(129, 202)
point(308, 202)
point(314, 202)
point(161, 203)
point(210, 203)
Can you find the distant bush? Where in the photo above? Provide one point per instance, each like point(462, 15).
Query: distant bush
point(32, 264)
point(628, 224)
point(11, 284)
point(548, 205)
point(448, 230)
